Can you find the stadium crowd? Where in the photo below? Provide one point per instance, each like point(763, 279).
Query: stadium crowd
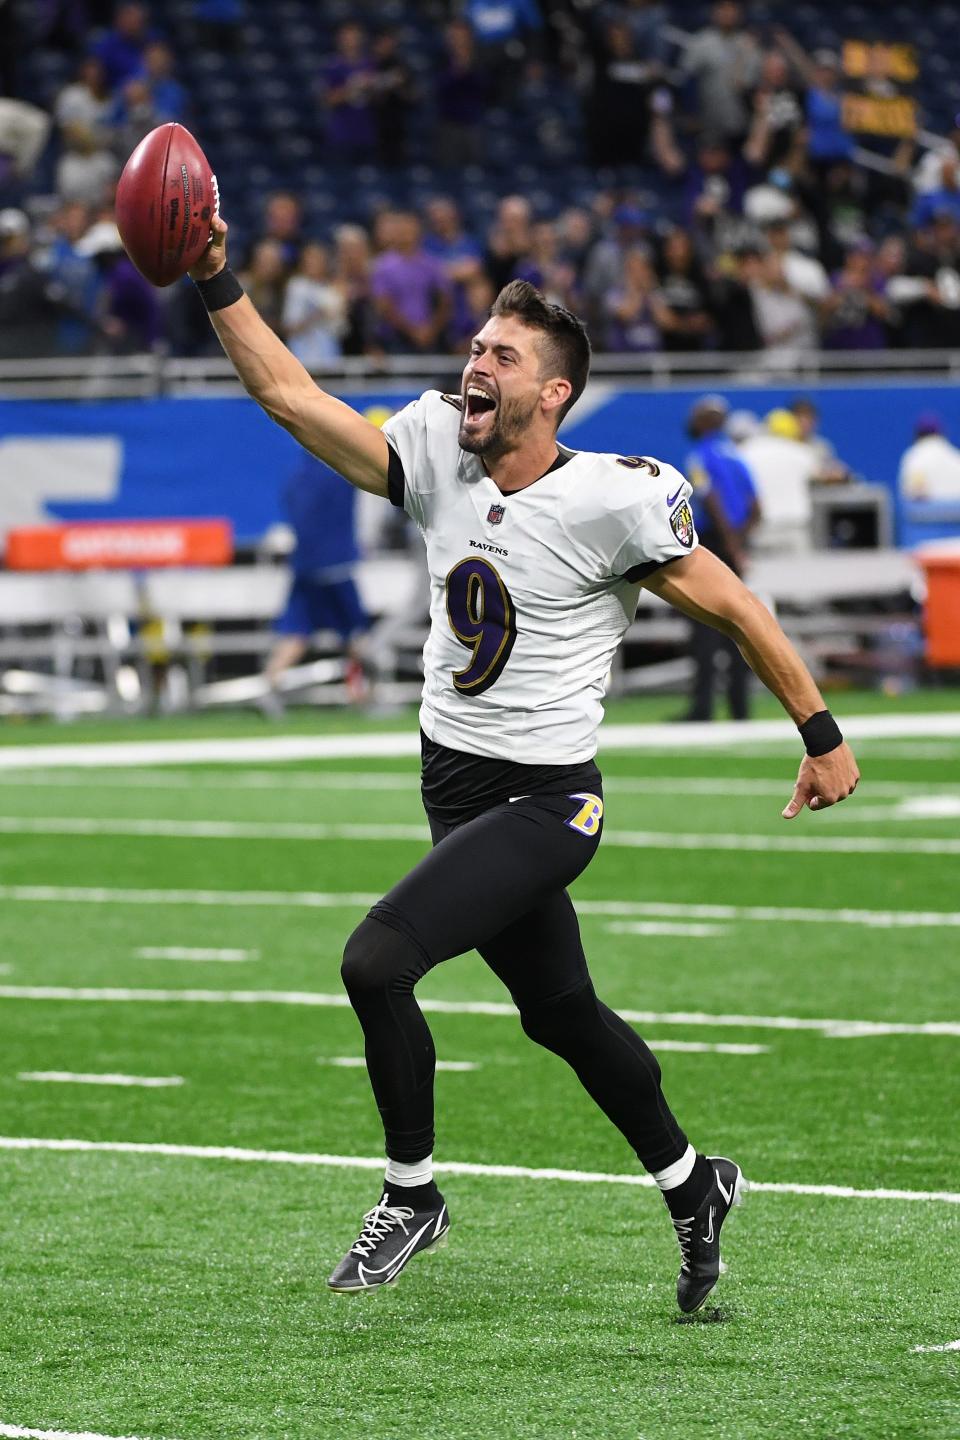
point(729, 210)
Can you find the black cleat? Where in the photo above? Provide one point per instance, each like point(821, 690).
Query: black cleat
point(391, 1235)
point(699, 1235)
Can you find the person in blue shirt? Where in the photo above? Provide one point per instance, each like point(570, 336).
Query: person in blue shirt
point(725, 510)
point(320, 510)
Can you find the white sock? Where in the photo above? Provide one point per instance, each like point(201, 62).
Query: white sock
point(419, 1173)
point(676, 1173)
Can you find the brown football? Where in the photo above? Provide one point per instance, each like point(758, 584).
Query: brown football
point(165, 199)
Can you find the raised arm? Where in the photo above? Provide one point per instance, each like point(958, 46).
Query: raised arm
point(705, 589)
point(278, 382)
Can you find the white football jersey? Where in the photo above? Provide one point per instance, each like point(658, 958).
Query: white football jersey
point(531, 592)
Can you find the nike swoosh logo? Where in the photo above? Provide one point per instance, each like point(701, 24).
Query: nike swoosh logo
point(672, 498)
point(396, 1263)
point(512, 800)
point(708, 1237)
point(725, 1193)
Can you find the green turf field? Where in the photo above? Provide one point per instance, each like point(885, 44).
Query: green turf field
point(805, 1000)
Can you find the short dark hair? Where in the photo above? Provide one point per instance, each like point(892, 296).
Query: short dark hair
point(566, 346)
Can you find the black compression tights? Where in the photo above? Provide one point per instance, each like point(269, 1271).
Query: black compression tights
point(488, 885)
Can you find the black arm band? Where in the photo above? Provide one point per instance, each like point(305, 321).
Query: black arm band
point(223, 290)
point(820, 734)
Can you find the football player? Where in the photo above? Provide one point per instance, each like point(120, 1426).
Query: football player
point(536, 555)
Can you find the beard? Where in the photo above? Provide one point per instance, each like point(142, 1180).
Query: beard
point(510, 422)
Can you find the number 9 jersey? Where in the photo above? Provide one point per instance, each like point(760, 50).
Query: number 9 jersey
point(531, 591)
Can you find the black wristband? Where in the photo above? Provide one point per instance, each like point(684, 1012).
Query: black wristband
point(820, 734)
point(222, 290)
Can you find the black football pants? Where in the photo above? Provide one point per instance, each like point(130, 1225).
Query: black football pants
point(496, 884)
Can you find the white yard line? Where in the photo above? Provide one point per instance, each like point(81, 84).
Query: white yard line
point(819, 844)
point(702, 1047)
point(936, 1349)
point(112, 994)
point(350, 900)
point(69, 1077)
point(448, 1167)
point(719, 735)
point(692, 931)
point(22, 1432)
point(357, 1062)
point(188, 952)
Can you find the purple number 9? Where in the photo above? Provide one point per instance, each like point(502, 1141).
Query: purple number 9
point(481, 614)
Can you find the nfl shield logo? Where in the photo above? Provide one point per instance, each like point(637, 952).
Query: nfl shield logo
point(495, 514)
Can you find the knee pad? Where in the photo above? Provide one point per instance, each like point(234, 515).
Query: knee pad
point(561, 1022)
point(377, 957)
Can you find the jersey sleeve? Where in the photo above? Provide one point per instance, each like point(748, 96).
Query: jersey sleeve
point(424, 454)
point(659, 524)
point(406, 436)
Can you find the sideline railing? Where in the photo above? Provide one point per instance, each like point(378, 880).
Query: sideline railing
point(103, 377)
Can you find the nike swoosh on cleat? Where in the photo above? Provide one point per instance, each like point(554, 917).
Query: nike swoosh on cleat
point(395, 1264)
point(512, 799)
point(708, 1237)
point(672, 498)
point(720, 1186)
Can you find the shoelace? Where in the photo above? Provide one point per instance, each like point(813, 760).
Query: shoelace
point(377, 1225)
point(684, 1229)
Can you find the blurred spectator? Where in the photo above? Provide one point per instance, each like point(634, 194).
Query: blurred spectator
point(803, 273)
point(777, 113)
point(724, 60)
point(943, 199)
point(509, 240)
point(86, 100)
point(411, 292)
point(283, 224)
point(731, 299)
point(133, 116)
point(927, 294)
point(121, 49)
point(169, 96)
point(633, 310)
point(473, 313)
point(828, 140)
point(32, 303)
point(855, 313)
point(575, 236)
point(24, 130)
point(726, 510)
point(930, 467)
point(394, 93)
point(646, 21)
point(714, 190)
point(783, 469)
point(463, 94)
point(352, 275)
point(684, 317)
point(830, 469)
point(314, 309)
point(927, 173)
point(784, 317)
point(618, 108)
point(348, 86)
point(67, 265)
point(446, 238)
point(545, 268)
point(321, 511)
point(605, 260)
point(459, 253)
point(127, 305)
point(85, 170)
point(265, 281)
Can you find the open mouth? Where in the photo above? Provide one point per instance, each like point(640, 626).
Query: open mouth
point(478, 403)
